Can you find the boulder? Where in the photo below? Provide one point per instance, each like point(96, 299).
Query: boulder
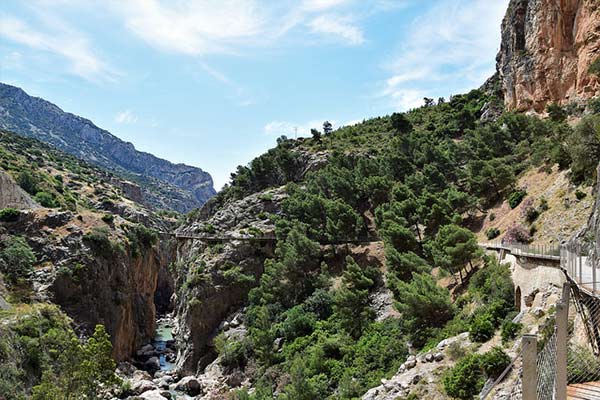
point(189, 385)
point(152, 365)
point(155, 395)
point(139, 387)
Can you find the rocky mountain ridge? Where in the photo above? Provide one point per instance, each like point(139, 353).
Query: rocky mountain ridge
point(166, 185)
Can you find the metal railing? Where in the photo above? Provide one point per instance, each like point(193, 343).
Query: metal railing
point(580, 263)
point(541, 251)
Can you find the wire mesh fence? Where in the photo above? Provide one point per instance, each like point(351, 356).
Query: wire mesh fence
point(546, 369)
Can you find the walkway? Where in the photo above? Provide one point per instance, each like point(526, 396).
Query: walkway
point(584, 391)
point(213, 238)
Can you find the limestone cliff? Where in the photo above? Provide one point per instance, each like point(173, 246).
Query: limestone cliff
point(115, 287)
point(213, 279)
point(546, 50)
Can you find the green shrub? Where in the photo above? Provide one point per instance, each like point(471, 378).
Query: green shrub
point(140, 237)
point(9, 214)
point(594, 67)
point(108, 218)
point(515, 198)
point(494, 362)
point(46, 199)
point(233, 352)
point(492, 233)
point(297, 323)
point(234, 274)
point(100, 243)
point(465, 379)
point(594, 105)
point(510, 330)
point(482, 328)
point(580, 195)
point(16, 258)
point(492, 216)
point(27, 182)
point(556, 112)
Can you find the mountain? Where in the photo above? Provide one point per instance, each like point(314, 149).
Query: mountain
point(547, 49)
point(166, 185)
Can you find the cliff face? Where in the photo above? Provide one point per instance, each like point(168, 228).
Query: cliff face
point(546, 50)
point(116, 289)
point(176, 186)
point(11, 194)
point(208, 288)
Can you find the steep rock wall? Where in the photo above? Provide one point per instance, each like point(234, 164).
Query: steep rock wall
point(546, 50)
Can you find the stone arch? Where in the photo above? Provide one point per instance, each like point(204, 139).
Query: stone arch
point(518, 298)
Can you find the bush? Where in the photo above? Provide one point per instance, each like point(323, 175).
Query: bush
point(99, 241)
point(233, 353)
point(465, 379)
point(580, 195)
point(594, 105)
point(494, 362)
point(108, 218)
point(45, 199)
point(556, 112)
point(9, 214)
point(27, 182)
point(510, 330)
point(492, 233)
point(517, 233)
point(16, 258)
point(515, 198)
point(482, 328)
point(140, 237)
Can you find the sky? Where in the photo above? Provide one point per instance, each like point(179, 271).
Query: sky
point(213, 83)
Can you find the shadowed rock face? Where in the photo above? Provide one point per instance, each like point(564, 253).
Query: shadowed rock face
point(546, 50)
point(176, 186)
point(11, 194)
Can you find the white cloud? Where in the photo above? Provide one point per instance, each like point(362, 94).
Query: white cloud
point(452, 45)
point(224, 26)
point(341, 27)
point(194, 28)
point(126, 117)
point(62, 41)
point(320, 5)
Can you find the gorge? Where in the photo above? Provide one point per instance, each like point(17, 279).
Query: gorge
point(339, 266)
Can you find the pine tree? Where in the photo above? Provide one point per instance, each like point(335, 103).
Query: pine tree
point(352, 299)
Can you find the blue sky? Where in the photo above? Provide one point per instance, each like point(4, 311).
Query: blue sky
point(213, 83)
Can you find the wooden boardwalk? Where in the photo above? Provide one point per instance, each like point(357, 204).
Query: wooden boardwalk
point(584, 391)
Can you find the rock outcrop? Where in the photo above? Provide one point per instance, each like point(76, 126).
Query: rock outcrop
point(546, 50)
point(176, 186)
point(115, 288)
point(11, 194)
point(207, 292)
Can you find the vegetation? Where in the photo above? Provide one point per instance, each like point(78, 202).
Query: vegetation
point(421, 177)
point(9, 215)
point(41, 350)
point(16, 258)
point(101, 244)
point(466, 378)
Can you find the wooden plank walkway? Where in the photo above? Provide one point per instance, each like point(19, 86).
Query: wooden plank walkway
point(584, 391)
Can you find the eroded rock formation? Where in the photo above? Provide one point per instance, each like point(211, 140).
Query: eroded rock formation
point(546, 50)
